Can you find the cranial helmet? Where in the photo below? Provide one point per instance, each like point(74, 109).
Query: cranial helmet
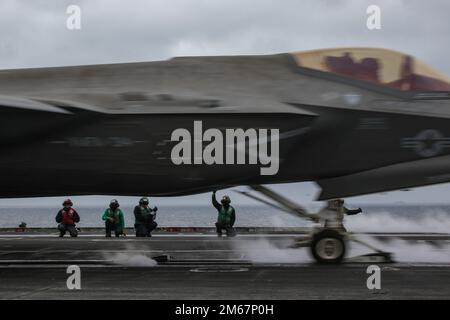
point(143, 201)
point(114, 203)
point(226, 200)
point(67, 202)
point(335, 203)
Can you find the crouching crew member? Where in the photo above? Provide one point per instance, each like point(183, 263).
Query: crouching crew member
point(114, 220)
point(226, 217)
point(144, 218)
point(333, 214)
point(67, 217)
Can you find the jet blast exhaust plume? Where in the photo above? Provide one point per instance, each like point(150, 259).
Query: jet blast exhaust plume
point(394, 219)
point(426, 221)
point(437, 221)
point(264, 251)
point(407, 251)
point(131, 258)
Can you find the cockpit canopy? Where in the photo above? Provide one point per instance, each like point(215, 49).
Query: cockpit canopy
point(379, 66)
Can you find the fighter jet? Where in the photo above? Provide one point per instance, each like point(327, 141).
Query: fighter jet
point(355, 120)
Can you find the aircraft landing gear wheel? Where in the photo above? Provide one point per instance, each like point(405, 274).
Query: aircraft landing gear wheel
point(328, 246)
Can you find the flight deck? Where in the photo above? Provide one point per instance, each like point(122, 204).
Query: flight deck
point(33, 265)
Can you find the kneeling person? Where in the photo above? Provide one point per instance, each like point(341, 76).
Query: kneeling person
point(144, 218)
point(113, 218)
point(67, 217)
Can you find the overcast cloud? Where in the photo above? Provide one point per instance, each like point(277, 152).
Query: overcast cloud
point(34, 34)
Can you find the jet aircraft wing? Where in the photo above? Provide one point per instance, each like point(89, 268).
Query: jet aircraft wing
point(393, 177)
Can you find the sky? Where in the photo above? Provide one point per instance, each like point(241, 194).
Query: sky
point(34, 34)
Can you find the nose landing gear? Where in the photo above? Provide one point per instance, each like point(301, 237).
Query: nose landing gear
point(328, 245)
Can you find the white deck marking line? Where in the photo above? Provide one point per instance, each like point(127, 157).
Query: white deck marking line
point(132, 237)
point(119, 251)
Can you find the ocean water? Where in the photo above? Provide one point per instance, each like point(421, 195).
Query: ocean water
point(375, 218)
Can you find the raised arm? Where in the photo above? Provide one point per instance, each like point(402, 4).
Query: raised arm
point(214, 201)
